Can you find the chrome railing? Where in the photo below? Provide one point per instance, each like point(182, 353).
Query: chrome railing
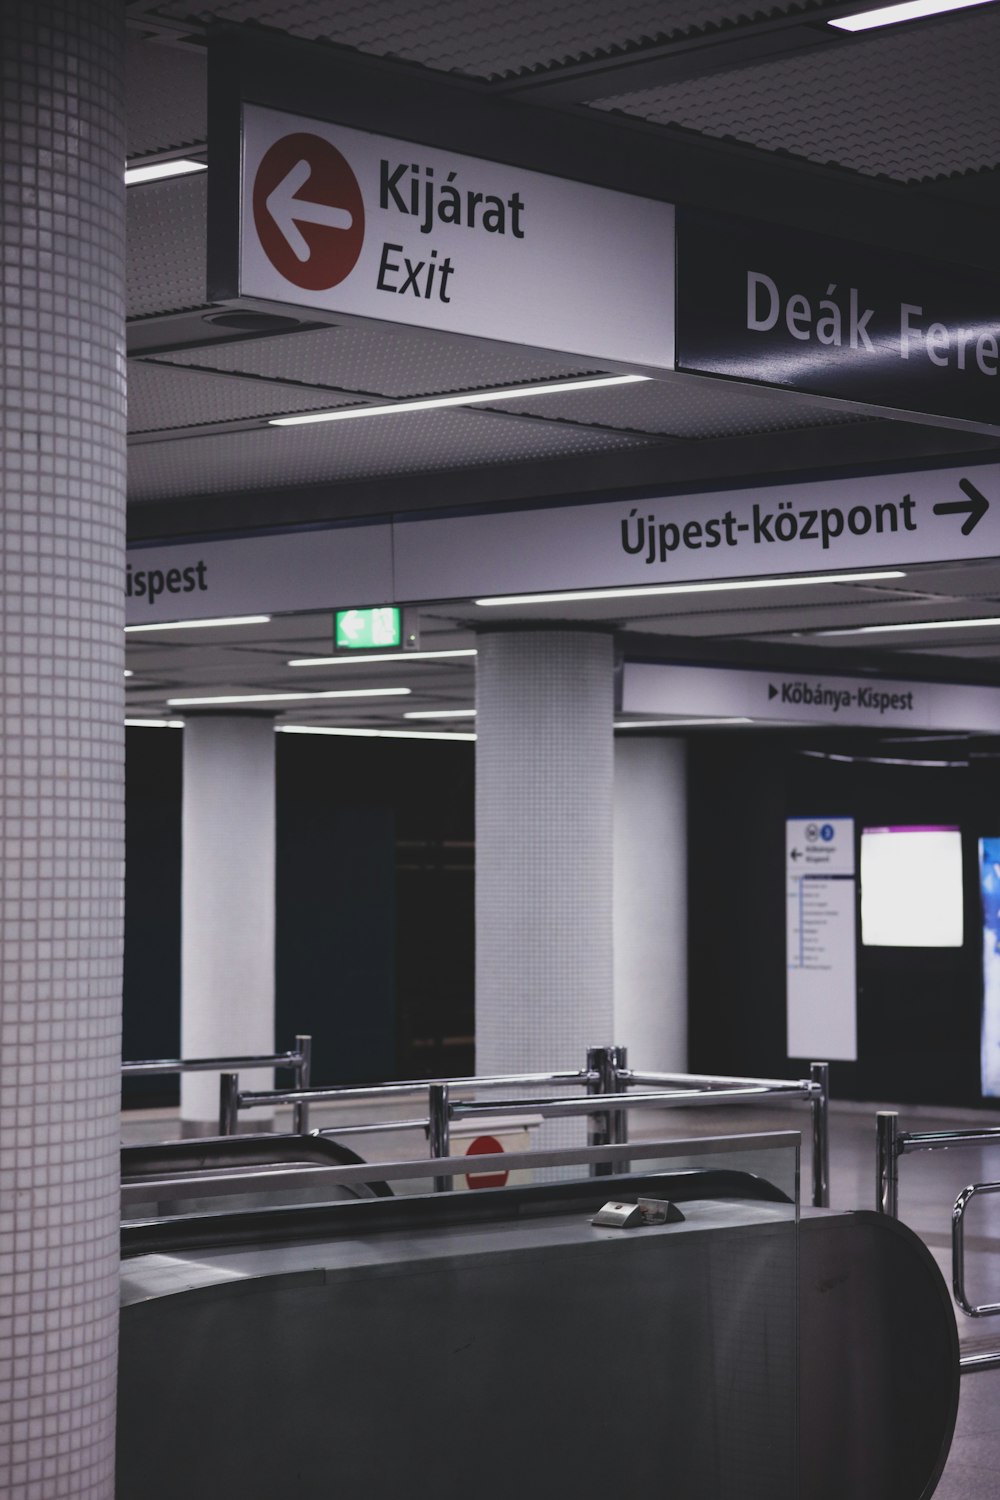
point(166, 1182)
point(299, 1060)
point(890, 1144)
point(606, 1077)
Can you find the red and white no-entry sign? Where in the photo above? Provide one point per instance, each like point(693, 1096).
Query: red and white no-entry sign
point(308, 211)
point(485, 1145)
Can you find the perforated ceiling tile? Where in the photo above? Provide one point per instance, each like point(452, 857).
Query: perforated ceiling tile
point(911, 104)
point(161, 397)
point(690, 407)
point(367, 448)
point(385, 361)
point(165, 225)
point(166, 94)
point(480, 38)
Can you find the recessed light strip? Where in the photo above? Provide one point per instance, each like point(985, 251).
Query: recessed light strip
point(676, 723)
point(200, 624)
point(370, 656)
point(892, 15)
point(468, 398)
point(154, 723)
point(441, 713)
point(983, 621)
point(392, 692)
point(373, 734)
point(159, 171)
point(642, 591)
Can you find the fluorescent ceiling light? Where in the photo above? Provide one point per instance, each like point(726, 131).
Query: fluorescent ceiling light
point(675, 723)
point(340, 661)
point(642, 591)
point(469, 398)
point(200, 624)
point(373, 734)
point(392, 692)
point(129, 673)
point(441, 713)
point(159, 171)
point(982, 621)
point(890, 15)
point(154, 723)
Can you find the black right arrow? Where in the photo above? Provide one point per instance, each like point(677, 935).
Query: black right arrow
point(973, 509)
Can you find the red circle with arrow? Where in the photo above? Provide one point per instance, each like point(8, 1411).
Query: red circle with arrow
point(309, 212)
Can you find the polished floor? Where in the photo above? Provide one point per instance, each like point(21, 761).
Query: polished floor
point(929, 1182)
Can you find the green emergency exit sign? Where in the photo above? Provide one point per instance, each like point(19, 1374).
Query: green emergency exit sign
point(365, 629)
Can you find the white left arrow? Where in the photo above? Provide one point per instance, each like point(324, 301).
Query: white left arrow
point(285, 209)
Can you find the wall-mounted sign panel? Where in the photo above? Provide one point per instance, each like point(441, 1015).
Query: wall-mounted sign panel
point(367, 629)
point(258, 575)
point(807, 698)
point(787, 308)
point(821, 937)
point(885, 520)
point(340, 220)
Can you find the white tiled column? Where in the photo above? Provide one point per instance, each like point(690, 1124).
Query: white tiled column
point(62, 406)
point(544, 775)
point(651, 906)
point(227, 905)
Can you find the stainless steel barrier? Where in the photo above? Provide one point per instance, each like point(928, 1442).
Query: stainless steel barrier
point(965, 1197)
point(167, 1184)
point(606, 1077)
point(299, 1060)
point(890, 1144)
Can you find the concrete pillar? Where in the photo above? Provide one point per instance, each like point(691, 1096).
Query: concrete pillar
point(62, 514)
point(544, 774)
point(650, 901)
point(227, 904)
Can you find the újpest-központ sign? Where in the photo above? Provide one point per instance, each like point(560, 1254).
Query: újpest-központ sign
point(337, 219)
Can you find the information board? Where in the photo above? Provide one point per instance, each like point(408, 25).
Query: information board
point(821, 937)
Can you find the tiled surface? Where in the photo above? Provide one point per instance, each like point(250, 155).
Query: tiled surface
point(544, 778)
point(61, 700)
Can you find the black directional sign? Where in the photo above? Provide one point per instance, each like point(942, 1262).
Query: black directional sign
point(783, 308)
point(974, 508)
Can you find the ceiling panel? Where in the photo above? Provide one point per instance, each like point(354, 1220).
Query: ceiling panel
point(386, 360)
point(943, 642)
point(166, 97)
point(912, 103)
point(988, 652)
point(689, 407)
point(368, 448)
point(482, 39)
point(971, 580)
point(737, 612)
point(162, 397)
point(165, 229)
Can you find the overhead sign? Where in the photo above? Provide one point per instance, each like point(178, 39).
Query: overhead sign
point(885, 520)
point(253, 575)
point(358, 629)
point(788, 308)
point(821, 938)
point(807, 698)
point(341, 220)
